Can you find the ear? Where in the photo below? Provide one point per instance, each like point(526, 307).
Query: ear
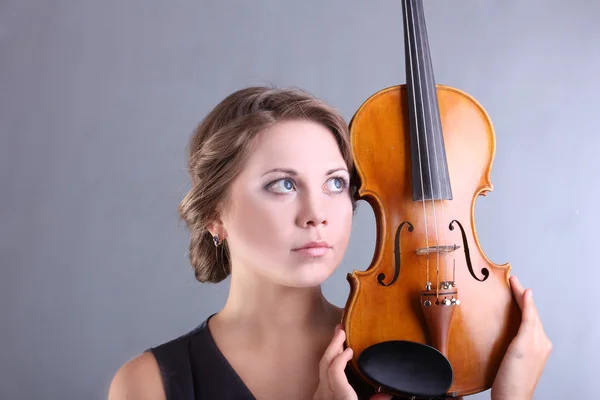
point(217, 228)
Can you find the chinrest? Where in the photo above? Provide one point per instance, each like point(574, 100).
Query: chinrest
point(409, 368)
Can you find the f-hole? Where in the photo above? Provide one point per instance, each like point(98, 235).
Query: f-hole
point(484, 271)
point(397, 256)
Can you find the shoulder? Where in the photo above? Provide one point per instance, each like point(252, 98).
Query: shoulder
point(138, 378)
point(160, 373)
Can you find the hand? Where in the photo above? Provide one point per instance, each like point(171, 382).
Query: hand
point(526, 356)
point(333, 383)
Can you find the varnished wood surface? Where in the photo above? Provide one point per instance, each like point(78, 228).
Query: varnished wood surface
point(488, 317)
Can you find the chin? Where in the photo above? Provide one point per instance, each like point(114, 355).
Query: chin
point(307, 274)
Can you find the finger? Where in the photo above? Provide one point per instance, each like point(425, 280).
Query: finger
point(527, 327)
point(338, 382)
point(336, 346)
point(529, 315)
point(517, 289)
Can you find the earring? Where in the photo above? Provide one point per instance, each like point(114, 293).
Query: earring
point(216, 240)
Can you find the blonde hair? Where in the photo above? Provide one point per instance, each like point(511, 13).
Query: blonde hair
point(218, 149)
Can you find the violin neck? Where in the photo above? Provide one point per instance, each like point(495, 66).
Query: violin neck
point(430, 177)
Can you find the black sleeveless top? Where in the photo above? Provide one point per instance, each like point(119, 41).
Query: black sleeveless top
point(193, 368)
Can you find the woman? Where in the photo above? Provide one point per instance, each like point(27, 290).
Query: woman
point(272, 205)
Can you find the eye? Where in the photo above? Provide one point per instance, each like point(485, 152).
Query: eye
point(281, 185)
point(339, 184)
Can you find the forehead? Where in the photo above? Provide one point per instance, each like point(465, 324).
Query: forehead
point(295, 143)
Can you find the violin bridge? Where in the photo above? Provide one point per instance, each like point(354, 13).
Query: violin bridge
point(437, 249)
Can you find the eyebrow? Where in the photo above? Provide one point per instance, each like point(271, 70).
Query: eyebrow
point(294, 172)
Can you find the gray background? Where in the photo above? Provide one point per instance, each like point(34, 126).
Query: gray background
point(98, 100)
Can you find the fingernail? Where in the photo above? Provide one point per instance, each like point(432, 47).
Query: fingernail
point(337, 328)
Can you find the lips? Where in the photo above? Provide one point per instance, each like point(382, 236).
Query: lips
point(314, 245)
point(313, 249)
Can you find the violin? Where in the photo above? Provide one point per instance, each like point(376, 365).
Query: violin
point(431, 316)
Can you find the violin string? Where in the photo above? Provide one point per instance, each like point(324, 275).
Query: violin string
point(412, 13)
point(412, 77)
point(437, 125)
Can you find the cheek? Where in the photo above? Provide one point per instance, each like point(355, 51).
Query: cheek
point(256, 227)
point(341, 223)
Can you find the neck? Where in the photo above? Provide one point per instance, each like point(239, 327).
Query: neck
point(258, 305)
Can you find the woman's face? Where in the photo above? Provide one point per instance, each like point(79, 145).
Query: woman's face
point(292, 191)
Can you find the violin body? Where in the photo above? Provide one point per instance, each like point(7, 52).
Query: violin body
point(423, 154)
point(487, 317)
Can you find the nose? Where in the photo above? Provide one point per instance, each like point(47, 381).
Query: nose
point(312, 211)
